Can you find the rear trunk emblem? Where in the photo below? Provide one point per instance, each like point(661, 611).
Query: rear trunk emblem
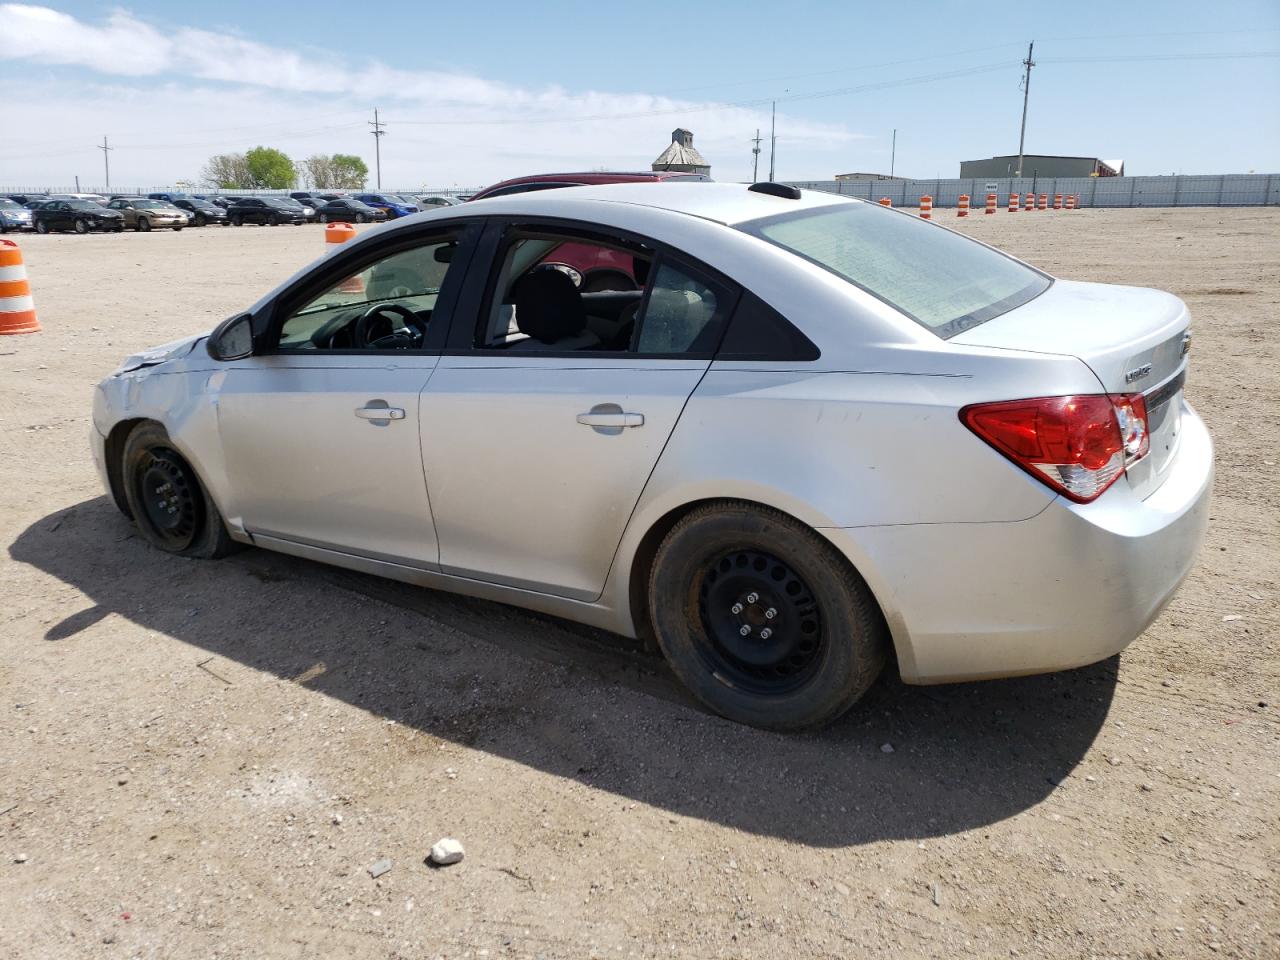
point(1137, 373)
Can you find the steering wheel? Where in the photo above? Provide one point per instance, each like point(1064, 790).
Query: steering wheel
point(407, 338)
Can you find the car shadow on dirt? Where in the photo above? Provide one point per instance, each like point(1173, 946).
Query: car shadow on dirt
point(906, 762)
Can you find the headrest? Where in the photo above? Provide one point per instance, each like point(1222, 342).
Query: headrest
point(548, 306)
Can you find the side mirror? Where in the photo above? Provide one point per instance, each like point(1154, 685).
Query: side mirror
point(233, 338)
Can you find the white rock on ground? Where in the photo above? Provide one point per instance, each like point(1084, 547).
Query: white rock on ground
point(446, 851)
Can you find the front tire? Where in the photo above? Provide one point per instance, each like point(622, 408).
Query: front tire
point(144, 225)
point(170, 505)
point(81, 226)
point(361, 218)
point(762, 619)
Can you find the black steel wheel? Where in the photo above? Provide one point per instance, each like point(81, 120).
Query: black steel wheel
point(762, 619)
point(173, 508)
point(166, 499)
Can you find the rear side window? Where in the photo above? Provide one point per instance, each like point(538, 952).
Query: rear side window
point(945, 282)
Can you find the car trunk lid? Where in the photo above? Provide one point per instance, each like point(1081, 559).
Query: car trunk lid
point(1134, 340)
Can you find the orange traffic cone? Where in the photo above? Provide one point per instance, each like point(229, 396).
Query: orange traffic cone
point(17, 309)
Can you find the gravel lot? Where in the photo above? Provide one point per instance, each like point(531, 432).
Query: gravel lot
point(203, 759)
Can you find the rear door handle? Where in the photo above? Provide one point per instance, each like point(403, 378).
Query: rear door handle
point(380, 413)
point(611, 419)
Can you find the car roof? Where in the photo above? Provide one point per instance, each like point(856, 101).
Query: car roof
point(727, 203)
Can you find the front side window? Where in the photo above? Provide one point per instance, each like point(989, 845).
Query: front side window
point(942, 280)
point(387, 305)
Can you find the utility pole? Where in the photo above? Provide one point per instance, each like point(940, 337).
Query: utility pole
point(773, 137)
point(1026, 93)
point(378, 134)
point(106, 159)
point(755, 156)
point(893, 151)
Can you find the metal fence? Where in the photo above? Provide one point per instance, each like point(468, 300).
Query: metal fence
point(1218, 190)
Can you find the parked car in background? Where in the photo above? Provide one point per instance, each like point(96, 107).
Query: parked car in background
point(394, 205)
point(201, 212)
point(437, 200)
point(552, 181)
point(143, 214)
point(36, 203)
point(26, 198)
point(78, 215)
point(169, 197)
point(13, 216)
point(93, 197)
point(348, 210)
point(314, 203)
point(308, 212)
point(264, 211)
point(822, 434)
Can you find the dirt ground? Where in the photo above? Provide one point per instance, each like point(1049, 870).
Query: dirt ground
point(200, 760)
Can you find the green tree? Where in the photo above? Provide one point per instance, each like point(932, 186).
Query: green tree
point(270, 169)
point(318, 169)
point(349, 172)
point(227, 171)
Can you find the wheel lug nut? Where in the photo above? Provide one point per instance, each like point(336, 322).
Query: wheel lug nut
point(744, 630)
point(752, 597)
point(736, 608)
point(770, 613)
point(766, 633)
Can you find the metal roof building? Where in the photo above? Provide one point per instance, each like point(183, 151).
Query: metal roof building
point(1041, 165)
point(681, 156)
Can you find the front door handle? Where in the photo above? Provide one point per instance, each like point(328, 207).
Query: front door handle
point(611, 419)
point(380, 413)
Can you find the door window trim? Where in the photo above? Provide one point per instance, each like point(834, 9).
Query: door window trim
point(352, 261)
point(462, 340)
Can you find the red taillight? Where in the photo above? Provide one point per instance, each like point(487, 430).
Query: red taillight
point(1077, 445)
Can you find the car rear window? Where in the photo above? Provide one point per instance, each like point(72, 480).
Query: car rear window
point(942, 280)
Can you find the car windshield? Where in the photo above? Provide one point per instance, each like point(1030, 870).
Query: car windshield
point(9, 205)
point(151, 205)
point(942, 280)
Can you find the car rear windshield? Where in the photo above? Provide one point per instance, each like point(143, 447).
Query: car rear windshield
point(942, 280)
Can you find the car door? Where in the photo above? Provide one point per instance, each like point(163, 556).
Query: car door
point(320, 433)
point(125, 208)
point(59, 215)
point(537, 451)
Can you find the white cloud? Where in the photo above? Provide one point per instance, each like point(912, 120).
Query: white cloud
point(208, 92)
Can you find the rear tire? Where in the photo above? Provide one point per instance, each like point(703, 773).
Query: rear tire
point(237, 222)
point(170, 505)
point(42, 227)
point(730, 567)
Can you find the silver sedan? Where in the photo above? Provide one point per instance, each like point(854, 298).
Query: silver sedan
point(803, 435)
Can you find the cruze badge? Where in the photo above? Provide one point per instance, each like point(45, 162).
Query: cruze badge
point(1137, 373)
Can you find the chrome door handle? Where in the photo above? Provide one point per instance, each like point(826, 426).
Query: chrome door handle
point(611, 419)
point(380, 413)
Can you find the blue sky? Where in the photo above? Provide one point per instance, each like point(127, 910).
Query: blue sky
point(477, 92)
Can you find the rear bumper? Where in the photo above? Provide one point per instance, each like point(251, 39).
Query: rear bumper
point(1073, 585)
